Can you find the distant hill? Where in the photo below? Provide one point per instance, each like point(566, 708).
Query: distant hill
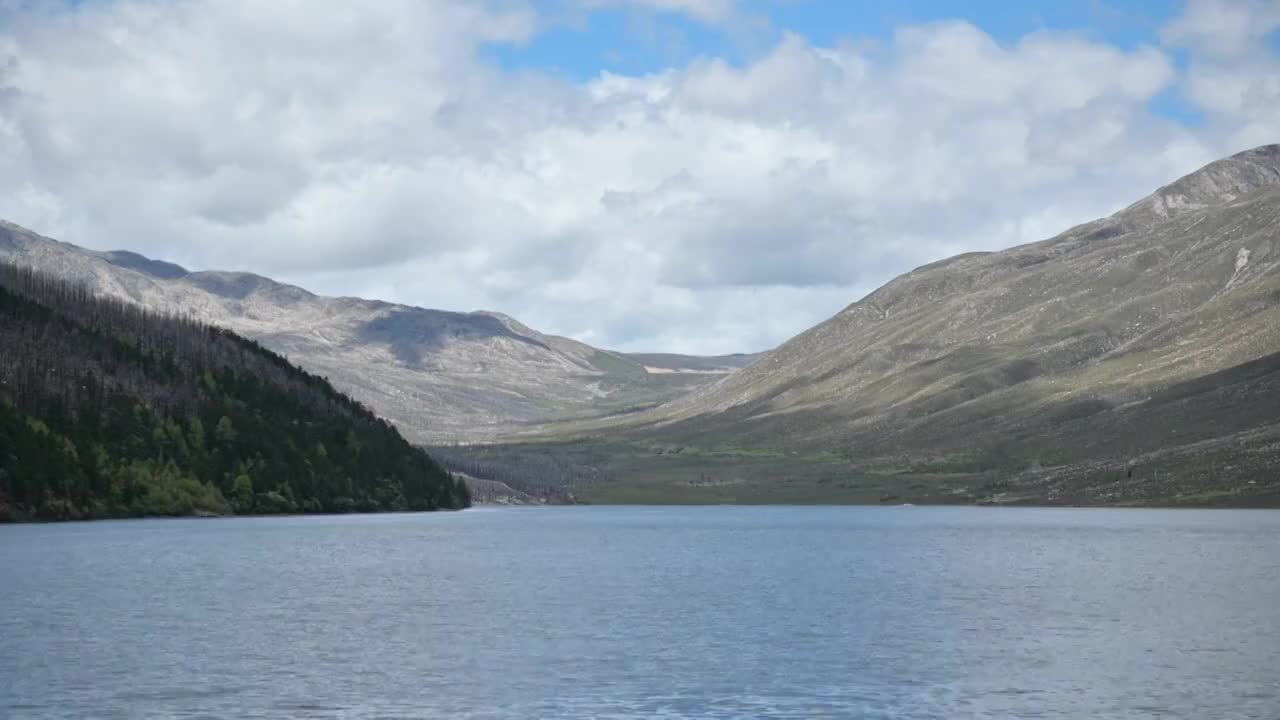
point(440, 376)
point(1130, 359)
point(712, 364)
point(109, 410)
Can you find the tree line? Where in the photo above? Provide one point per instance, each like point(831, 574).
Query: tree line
point(109, 410)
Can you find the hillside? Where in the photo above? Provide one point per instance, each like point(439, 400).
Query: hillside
point(439, 376)
point(107, 410)
point(1130, 359)
point(714, 364)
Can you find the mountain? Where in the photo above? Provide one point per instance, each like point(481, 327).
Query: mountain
point(1130, 359)
point(441, 377)
point(107, 410)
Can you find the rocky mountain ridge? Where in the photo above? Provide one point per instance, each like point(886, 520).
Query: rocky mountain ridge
point(440, 376)
point(1085, 356)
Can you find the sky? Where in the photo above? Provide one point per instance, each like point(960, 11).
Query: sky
point(701, 176)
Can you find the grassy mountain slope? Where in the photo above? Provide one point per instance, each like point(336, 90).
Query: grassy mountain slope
point(107, 410)
point(1116, 362)
point(668, 362)
point(439, 376)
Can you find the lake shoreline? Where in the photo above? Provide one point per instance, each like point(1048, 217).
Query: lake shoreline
point(5, 520)
point(201, 515)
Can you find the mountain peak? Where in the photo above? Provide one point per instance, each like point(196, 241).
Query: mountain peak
point(240, 285)
point(141, 263)
point(509, 322)
point(1218, 183)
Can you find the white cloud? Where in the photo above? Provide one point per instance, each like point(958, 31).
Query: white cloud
point(706, 208)
point(1223, 27)
point(1234, 73)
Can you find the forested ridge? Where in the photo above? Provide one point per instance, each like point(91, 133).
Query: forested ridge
point(107, 410)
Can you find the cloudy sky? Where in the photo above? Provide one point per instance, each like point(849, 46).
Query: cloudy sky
point(678, 175)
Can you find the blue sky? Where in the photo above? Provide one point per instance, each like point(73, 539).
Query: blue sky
point(632, 40)
point(580, 39)
point(580, 44)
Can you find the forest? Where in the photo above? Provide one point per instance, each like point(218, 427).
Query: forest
point(107, 410)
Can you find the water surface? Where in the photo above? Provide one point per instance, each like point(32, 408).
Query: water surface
point(626, 612)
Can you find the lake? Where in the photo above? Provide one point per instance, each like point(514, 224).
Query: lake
point(637, 612)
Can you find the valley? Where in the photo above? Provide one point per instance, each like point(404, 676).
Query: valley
point(1134, 359)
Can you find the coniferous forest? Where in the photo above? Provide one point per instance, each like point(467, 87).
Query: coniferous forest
point(107, 410)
